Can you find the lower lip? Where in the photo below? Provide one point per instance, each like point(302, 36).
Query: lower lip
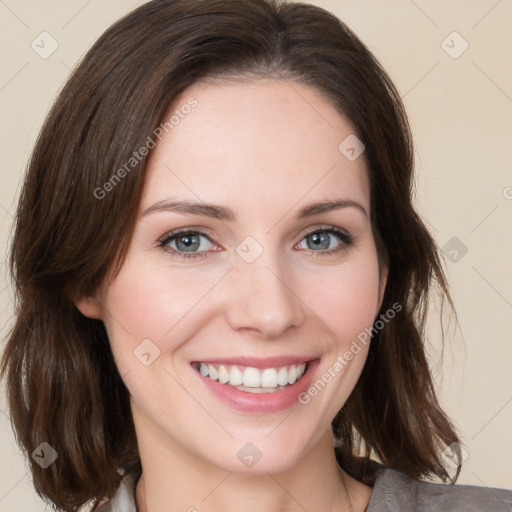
point(261, 402)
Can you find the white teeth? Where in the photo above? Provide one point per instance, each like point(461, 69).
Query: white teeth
point(235, 377)
point(259, 390)
point(223, 375)
point(282, 377)
point(212, 372)
point(292, 375)
point(253, 379)
point(269, 378)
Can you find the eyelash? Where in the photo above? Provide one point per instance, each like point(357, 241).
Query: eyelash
point(346, 239)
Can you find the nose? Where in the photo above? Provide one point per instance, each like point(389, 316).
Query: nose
point(261, 300)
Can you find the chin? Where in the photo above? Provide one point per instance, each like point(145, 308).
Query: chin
point(263, 453)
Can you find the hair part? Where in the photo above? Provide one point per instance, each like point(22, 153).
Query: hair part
point(62, 382)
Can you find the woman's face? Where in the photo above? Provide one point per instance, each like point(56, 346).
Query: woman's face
point(265, 280)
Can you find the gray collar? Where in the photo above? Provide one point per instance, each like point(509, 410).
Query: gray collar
point(393, 492)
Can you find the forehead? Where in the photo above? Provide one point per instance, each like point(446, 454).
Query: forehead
point(263, 142)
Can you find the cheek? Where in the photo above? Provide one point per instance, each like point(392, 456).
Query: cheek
point(150, 303)
point(346, 298)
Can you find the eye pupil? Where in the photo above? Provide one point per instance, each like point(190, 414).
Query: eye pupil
point(320, 240)
point(188, 242)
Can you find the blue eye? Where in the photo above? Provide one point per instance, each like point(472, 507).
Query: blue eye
point(319, 240)
point(186, 244)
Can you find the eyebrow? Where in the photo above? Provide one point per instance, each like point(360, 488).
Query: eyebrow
point(223, 213)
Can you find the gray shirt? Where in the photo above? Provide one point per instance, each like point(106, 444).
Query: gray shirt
point(392, 492)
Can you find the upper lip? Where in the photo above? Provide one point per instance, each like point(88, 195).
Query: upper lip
point(258, 362)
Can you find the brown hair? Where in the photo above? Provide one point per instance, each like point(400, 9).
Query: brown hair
point(62, 383)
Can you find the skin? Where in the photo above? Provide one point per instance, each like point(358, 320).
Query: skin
point(264, 149)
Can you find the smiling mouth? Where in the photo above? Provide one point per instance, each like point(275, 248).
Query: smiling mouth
point(253, 380)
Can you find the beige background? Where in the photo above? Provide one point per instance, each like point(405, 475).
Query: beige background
point(460, 110)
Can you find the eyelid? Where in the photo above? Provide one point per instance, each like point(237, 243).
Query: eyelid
point(208, 233)
point(325, 227)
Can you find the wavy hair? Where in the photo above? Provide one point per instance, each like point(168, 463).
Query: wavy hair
point(62, 383)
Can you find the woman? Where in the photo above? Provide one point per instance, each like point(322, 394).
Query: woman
point(219, 273)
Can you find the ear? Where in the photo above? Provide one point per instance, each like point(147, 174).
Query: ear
point(89, 307)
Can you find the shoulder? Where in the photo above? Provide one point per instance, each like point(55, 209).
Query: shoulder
point(395, 491)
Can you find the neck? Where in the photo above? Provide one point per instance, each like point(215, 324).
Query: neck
point(174, 480)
